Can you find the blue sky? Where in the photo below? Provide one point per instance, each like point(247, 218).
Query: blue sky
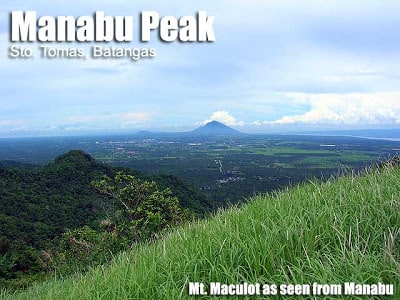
point(275, 65)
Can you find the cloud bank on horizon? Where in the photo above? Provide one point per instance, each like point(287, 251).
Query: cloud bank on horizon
point(275, 64)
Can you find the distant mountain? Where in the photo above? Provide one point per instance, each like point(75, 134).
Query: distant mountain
point(215, 128)
point(143, 132)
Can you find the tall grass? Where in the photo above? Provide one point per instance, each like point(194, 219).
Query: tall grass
point(344, 230)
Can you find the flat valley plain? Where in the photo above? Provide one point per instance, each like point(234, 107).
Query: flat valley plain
point(228, 169)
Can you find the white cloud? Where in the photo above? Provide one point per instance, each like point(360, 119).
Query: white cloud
point(346, 109)
point(133, 118)
point(223, 117)
point(101, 121)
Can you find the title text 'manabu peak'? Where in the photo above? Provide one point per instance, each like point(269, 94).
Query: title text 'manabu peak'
point(27, 27)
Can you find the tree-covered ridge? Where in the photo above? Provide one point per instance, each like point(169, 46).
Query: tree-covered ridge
point(39, 204)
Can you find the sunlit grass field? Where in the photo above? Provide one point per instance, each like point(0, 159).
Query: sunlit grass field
point(344, 230)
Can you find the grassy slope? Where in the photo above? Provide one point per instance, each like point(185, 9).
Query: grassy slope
point(347, 229)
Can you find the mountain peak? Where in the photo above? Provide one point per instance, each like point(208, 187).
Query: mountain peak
point(215, 123)
point(215, 128)
point(74, 160)
point(74, 155)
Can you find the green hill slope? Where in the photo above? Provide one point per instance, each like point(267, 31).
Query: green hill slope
point(344, 230)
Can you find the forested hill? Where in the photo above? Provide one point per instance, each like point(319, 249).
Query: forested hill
point(38, 204)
